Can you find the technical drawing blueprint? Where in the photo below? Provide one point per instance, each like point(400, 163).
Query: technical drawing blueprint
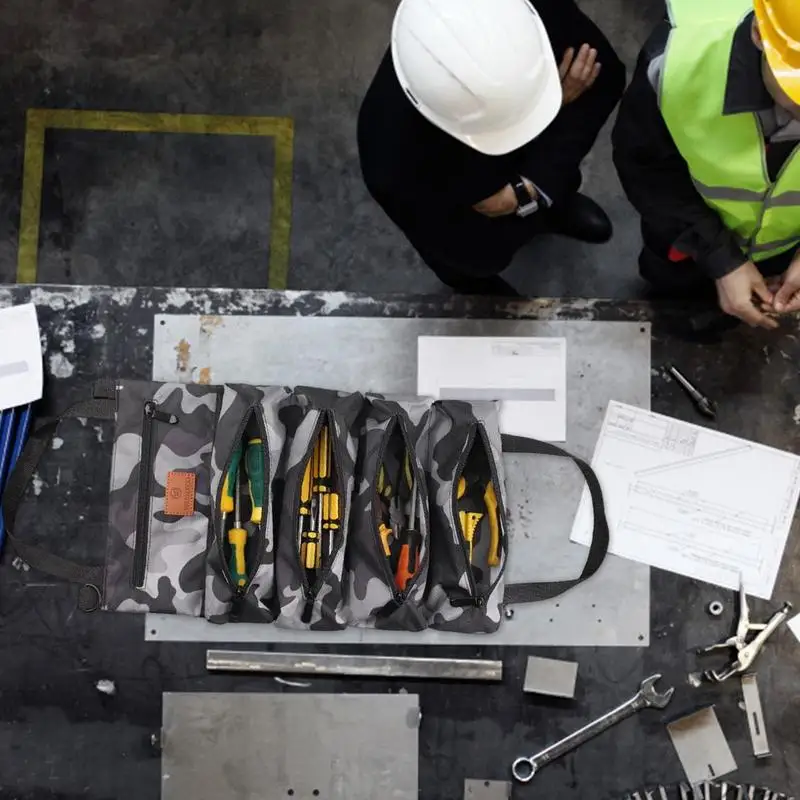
point(693, 501)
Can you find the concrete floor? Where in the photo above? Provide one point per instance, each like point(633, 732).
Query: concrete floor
point(181, 210)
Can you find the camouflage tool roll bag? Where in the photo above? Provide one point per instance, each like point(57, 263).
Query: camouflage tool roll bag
point(306, 508)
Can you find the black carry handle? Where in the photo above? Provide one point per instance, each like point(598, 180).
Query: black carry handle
point(40, 440)
point(531, 592)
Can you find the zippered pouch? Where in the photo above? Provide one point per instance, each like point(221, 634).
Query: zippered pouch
point(388, 551)
point(240, 569)
point(423, 542)
point(318, 483)
point(160, 499)
point(468, 518)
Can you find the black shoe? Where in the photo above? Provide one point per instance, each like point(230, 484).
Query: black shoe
point(579, 217)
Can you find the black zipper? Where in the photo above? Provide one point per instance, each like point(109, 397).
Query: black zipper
point(310, 592)
point(376, 521)
point(419, 477)
point(501, 509)
point(240, 591)
point(151, 414)
point(476, 599)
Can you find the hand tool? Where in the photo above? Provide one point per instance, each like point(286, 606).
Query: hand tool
point(490, 498)
point(456, 669)
point(323, 485)
point(706, 406)
point(410, 540)
point(254, 464)
point(468, 522)
point(746, 652)
point(306, 537)
point(237, 538)
point(229, 484)
point(523, 769)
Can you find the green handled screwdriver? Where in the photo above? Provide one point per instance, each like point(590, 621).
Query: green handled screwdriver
point(254, 462)
point(228, 502)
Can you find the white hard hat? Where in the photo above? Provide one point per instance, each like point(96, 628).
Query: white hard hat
point(481, 70)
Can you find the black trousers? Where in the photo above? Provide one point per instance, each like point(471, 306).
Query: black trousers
point(476, 272)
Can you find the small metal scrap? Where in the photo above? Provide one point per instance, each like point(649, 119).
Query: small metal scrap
point(715, 608)
point(549, 676)
point(706, 406)
point(755, 716)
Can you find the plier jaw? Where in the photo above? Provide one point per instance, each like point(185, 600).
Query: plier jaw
point(746, 652)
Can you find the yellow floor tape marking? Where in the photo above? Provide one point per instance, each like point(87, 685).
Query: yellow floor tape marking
point(281, 129)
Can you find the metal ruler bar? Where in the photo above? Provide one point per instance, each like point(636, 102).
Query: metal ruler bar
point(456, 669)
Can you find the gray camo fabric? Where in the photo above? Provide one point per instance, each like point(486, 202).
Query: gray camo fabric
point(319, 607)
point(453, 424)
point(176, 551)
point(371, 597)
point(184, 564)
point(240, 403)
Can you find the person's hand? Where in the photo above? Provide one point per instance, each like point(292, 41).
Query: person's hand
point(578, 73)
point(736, 290)
point(787, 298)
point(504, 202)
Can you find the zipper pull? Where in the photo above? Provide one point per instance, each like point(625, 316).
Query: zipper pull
point(308, 611)
point(237, 602)
point(152, 411)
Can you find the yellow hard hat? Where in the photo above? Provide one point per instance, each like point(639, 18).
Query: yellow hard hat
point(779, 24)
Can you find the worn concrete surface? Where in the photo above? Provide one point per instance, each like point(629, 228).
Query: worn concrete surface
point(61, 738)
point(120, 209)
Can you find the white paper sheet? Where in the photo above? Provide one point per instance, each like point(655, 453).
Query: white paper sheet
point(20, 356)
point(794, 626)
point(528, 374)
point(693, 501)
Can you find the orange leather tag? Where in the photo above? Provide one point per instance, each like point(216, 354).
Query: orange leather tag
point(179, 499)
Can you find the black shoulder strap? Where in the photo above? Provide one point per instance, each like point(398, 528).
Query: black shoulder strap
point(530, 592)
point(39, 442)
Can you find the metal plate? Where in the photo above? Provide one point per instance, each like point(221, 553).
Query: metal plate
point(755, 716)
point(701, 746)
point(551, 677)
point(605, 360)
point(307, 747)
point(487, 790)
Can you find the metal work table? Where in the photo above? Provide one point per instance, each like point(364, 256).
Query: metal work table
point(61, 737)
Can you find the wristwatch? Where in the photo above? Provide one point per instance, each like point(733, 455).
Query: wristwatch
point(527, 205)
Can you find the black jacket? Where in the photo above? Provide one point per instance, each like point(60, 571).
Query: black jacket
point(427, 181)
point(654, 174)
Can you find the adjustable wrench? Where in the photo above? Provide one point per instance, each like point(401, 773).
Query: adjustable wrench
point(523, 769)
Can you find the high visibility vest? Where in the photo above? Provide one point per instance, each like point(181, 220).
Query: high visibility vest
point(726, 154)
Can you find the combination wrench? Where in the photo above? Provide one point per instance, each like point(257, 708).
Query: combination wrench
point(523, 769)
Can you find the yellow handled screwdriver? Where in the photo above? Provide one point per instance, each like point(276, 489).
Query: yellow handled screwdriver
point(490, 498)
point(237, 538)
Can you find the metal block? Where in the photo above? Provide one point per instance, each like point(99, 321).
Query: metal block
point(487, 790)
point(551, 677)
point(463, 669)
point(543, 493)
point(701, 747)
point(755, 716)
point(307, 747)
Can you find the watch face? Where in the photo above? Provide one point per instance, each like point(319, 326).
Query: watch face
point(528, 209)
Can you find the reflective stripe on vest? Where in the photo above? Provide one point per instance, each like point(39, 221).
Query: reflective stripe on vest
point(725, 153)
